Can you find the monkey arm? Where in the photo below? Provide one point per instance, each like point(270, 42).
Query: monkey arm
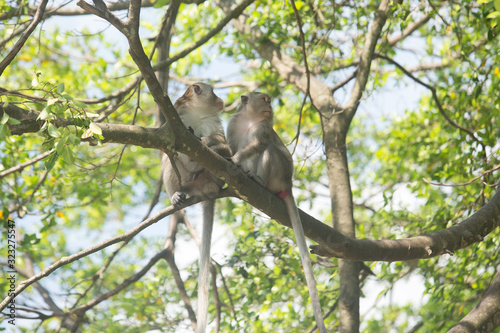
point(217, 143)
point(254, 147)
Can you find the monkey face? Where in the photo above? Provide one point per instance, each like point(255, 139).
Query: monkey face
point(200, 98)
point(258, 105)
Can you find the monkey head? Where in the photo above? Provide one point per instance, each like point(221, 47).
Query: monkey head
point(257, 105)
point(199, 98)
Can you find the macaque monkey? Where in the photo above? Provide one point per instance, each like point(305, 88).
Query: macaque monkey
point(199, 110)
point(259, 151)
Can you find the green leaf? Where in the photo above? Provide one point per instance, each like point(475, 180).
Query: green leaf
point(95, 129)
point(160, 3)
point(29, 240)
point(52, 101)
point(75, 140)
point(4, 130)
point(43, 115)
point(60, 144)
point(80, 104)
point(68, 155)
point(5, 118)
point(52, 130)
point(493, 15)
point(14, 121)
point(49, 164)
point(60, 88)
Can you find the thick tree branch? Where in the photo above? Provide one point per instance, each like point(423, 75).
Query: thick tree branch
point(471, 230)
point(485, 317)
point(332, 243)
point(158, 138)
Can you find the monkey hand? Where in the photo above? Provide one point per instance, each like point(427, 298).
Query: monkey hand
point(192, 132)
point(178, 198)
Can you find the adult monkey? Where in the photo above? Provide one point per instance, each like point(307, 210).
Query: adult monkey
point(199, 110)
point(260, 152)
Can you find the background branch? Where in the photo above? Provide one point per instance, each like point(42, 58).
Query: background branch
point(19, 44)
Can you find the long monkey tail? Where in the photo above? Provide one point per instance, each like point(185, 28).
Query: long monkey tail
point(203, 280)
point(293, 212)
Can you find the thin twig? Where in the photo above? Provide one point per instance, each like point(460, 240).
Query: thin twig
point(435, 97)
point(21, 166)
point(344, 82)
point(226, 288)
point(92, 249)
point(170, 258)
point(308, 74)
point(483, 173)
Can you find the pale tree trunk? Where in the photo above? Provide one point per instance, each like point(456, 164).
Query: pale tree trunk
point(335, 122)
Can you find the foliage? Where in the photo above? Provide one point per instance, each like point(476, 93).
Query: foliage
point(81, 194)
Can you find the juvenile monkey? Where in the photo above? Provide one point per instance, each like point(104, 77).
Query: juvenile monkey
point(260, 152)
point(199, 110)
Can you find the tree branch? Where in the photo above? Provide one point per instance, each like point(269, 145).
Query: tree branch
point(288, 69)
point(21, 166)
point(409, 30)
point(229, 16)
point(66, 260)
point(19, 44)
point(332, 243)
point(485, 317)
point(436, 99)
point(169, 250)
point(63, 11)
point(471, 230)
point(366, 58)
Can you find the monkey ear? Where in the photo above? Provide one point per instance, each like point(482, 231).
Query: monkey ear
point(197, 89)
point(244, 99)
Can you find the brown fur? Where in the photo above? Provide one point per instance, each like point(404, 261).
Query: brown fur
point(260, 152)
point(199, 109)
point(193, 107)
